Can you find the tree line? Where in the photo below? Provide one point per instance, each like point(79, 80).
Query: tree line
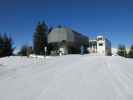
point(40, 41)
point(123, 52)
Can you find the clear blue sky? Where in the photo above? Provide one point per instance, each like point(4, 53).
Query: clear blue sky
point(114, 18)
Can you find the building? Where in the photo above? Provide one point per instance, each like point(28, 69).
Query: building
point(92, 46)
point(64, 40)
point(100, 45)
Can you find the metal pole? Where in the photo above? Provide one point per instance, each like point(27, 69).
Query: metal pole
point(45, 51)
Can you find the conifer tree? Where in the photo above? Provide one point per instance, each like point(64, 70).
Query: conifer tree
point(1, 46)
point(130, 54)
point(122, 51)
point(40, 38)
point(23, 51)
point(6, 48)
point(8, 45)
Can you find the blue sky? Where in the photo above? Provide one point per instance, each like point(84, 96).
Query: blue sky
point(112, 18)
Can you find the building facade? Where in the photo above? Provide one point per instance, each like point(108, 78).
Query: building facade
point(100, 45)
point(64, 40)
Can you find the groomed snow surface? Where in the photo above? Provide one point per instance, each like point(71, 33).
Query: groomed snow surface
point(71, 77)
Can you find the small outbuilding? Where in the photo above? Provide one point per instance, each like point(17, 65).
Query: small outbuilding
point(100, 46)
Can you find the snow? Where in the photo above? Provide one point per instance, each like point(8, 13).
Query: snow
point(70, 77)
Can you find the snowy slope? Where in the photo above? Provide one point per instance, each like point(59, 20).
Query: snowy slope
point(71, 77)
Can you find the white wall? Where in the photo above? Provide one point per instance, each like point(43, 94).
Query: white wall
point(105, 48)
point(101, 49)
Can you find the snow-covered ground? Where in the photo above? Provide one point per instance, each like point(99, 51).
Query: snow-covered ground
point(71, 77)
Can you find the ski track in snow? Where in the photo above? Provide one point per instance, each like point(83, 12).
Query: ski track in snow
point(71, 77)
point(122, 82)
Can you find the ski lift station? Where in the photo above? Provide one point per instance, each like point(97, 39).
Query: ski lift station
point(64, 40)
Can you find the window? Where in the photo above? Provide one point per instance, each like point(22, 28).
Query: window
point(99, 39)
point(100, 44)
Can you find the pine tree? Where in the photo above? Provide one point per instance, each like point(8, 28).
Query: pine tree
point(50, 29)
point(40, 38)
point(130, 54)
point(8, 45)
point(1, 46)
point(5, 46)
point(122, 51)
point(23, 51)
